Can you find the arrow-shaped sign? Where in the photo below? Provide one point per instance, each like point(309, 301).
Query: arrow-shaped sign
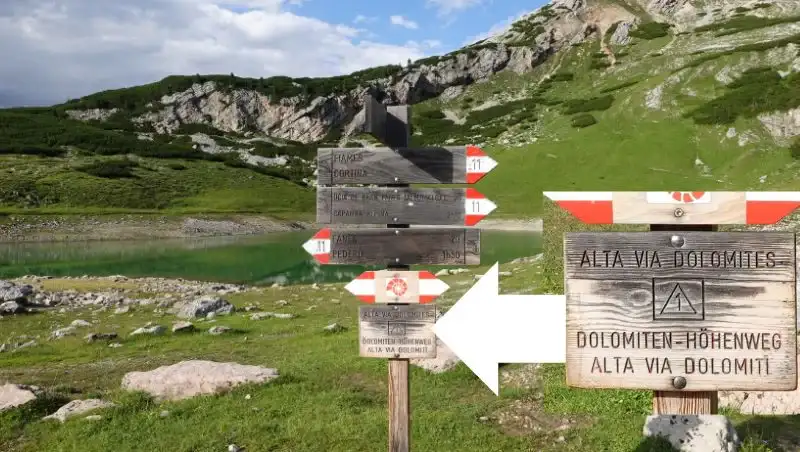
point(485, 329)
point(391, 286)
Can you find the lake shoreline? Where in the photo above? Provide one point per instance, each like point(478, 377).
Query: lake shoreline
point(68, 228)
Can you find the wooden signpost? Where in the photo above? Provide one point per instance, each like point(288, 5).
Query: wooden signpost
point(399, 323)
point(683, 310)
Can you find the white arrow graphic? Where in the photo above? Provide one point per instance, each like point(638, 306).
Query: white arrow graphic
point(485, 329)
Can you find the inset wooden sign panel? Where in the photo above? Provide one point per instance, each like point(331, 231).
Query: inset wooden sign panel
point(387, 205)
point(678, 207)
point(715, 308)
point(397, 331)
point(397, 286)
point(450, 246)
point(382, 166)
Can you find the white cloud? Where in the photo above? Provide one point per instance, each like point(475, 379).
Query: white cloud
point(68, 48)
point(403, 22)
point(360, 19)
point(452, 6)
point(496, 29)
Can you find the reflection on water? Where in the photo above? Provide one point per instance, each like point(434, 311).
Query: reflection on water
point(263, 260)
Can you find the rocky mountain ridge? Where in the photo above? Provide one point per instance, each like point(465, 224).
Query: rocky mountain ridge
point(526, 45)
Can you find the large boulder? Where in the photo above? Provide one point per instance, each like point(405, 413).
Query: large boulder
point(203, 306)
point(694, 433)
point(10, 291)
point(12, 396)
point(192, 378)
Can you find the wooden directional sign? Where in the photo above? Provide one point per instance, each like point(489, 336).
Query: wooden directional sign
point(386, 205)
point(385, 166)
point(448, 246)
point(678, 207)
point(396, 286)
point(397, 331)
point(715, 308)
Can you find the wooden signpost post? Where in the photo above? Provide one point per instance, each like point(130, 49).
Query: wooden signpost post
point(683, 310)
point(399, 323)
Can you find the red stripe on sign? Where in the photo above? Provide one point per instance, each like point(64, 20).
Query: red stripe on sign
point(427, 298)
point(769, 212)
point(426, 275)
point(366, 275)
point(474, 177)
point(322, 258)
point(590, 212)
point(366, 298)
point(323, 234)
point(472, 220)
point(474, 194)
point(474, 151)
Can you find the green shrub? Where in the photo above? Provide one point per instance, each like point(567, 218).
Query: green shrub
point(794, 149)
point(745, 23)
point(650, 30)
point(582, 120)
point(562, 77)
point(29, 150)
point(741, 9)
point(432, 114)
point(599, 64)
point(756, 91)
point(176, 166)
point(619, 86)
point(612, 29)
point(110, 169)
point(601, 103)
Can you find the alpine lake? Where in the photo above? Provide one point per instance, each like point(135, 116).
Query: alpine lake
point(253, 260)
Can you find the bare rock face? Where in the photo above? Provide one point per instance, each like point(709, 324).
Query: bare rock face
point(782, 125)
point(10, 291)
point(12, 396)
point(192, 378)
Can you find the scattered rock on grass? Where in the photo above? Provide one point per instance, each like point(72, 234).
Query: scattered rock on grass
point(219, 329)
point(182, 327)
point(151, 330)
point(335, 328)
point(12, 396)
point(94, 337)
point(62, 332)
point(11, 307)
point(191, 378)
point(203, 306)
point(78, 407)
point(78, 323)
point(267, 315)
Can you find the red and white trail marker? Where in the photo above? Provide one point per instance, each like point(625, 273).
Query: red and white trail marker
point(478, 164)
point(477, 207)
point(723, 207)
point(319, 246)
point(392, 286)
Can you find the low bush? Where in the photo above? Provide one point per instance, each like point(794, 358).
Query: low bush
point(794, 149)
point(582, 120)
point(110, 169)
point(562, 77)
point(600, 103)
point(176, 166)
point(739, 24)
point(650, 30)
point(757, 91)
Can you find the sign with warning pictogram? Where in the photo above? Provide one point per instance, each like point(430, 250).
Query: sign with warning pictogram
point(397, 331)
point(717, 309)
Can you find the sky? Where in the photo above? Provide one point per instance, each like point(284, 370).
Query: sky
point(55, 50)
